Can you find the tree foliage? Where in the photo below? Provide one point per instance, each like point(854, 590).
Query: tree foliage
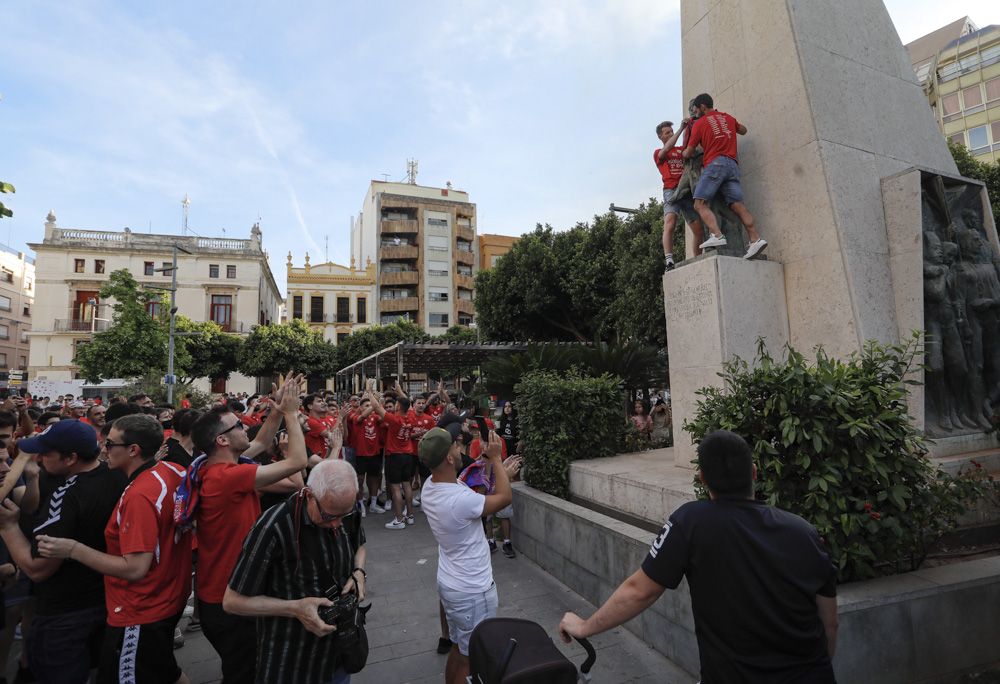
point(367, 341)
point(5, 188)
point(210, 351)
point(833, 443)
point(280, 347)
point(135, 343)
point(987, 172)
point(459, 333)
point(594, 280)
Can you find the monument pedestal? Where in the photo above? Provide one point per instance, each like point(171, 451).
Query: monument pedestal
point(716, 308)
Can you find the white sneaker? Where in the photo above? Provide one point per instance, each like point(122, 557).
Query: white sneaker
point(395, 525)
point(714, 241)
point(406, 511)
point(375, 508)
point(416, 500)
point(755, 248)
point(363, 511)
point(410, 520)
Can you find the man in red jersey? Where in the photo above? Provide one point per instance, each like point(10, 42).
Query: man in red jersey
point(147, 568)
point(420, 421)
point(436, 403)
point(319, 424)
point(228, 507)
point(398, 459)
point(366, 427)
point(716, 133)
point(669, 160)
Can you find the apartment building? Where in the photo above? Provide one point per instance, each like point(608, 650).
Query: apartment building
point(423, 243)
point(226, 280)
point(17, 293)
point(492, 247)
point(335, 299)
point(959, 68)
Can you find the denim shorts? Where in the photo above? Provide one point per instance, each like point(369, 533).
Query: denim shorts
point(464, 610)
point(684, 205)
point(722, 174)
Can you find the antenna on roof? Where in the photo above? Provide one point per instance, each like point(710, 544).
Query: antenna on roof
point(185, 203)
point(326, 247)
point(411, 171)
point(385, 177)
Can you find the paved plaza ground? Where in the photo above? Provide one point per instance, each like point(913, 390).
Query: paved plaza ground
point(403, 624)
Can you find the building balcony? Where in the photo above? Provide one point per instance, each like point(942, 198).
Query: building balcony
point(399, 278)
point(72, 325)
point(468, 282)
point(466, 233)
point(463, 257)
point(400, 252)
point(331, 318)
point(465, 306)
point(399, 227)
point(398, 304)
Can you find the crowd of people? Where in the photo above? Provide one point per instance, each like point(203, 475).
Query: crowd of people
point(116, 514)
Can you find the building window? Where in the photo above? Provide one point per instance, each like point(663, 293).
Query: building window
point(343, 309)
point(995, 130)
point(213, 270)
point(438, 294)
point(316, 309)
point(465, 294)
point(993, 89)
point(222, 311)
point(27, 310)
point(972, 96)
point(166, 268)
point(7, 276)
point(154, 308)
point(464, 319)
point(342, 336)
point(98, 265)
point(27, 285)
point(79, 266)
point(297, 307)
point(437, 268)
point(3, 360)
point(978, 138)
point(4, 332)
point(24, 362)
point(464, 246)
point(148, 268)
point(439, 320)
point(465, 270)
point(218, 385)
point(388, 319)
point(4, 303)
point(437, 222)
point(949, 104)
point(231, 271)
point(437, 243)
point(362, 308)
point(957, 139)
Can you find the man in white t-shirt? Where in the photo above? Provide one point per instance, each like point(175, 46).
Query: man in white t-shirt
point(465, 574)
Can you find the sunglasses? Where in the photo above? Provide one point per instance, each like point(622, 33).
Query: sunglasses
point(108, 444)
point(326, 517)
point(237, 424)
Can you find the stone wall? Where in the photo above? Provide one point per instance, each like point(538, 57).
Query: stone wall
point(921, 627)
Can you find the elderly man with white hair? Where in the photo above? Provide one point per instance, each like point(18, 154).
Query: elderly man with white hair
point(291, 559)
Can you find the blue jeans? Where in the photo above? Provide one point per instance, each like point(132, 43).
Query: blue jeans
point(722, 174)
point(62, 648)
point(682, 207)
point(465, 610)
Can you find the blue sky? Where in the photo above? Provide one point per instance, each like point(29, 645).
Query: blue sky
point(543, 111)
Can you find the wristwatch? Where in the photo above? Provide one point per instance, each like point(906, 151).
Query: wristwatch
point(361, 570)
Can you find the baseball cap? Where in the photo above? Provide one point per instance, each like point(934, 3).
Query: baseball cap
point(77, 404)
point(434, 446)
point(65, 436)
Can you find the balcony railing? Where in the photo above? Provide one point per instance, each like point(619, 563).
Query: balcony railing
point(399, 278)
point(403, 226)
point(465, 257)
point(465, 233)
point(331, 318)
point(73, 325)
point(465, 306)
point(400, 252)
point(466, 281)
point(399, 304)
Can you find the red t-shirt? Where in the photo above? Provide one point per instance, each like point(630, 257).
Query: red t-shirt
point(228, 509)
point(671, 167)
point(185, 403)
point(369, 435)
point(435, 410)
point(397, 434)
point(716, 133)
point(476, 448)
point(315, 442)
point(143, 522)
point(420, 423)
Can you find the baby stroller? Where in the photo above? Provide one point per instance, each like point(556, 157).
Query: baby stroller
point(512, 651)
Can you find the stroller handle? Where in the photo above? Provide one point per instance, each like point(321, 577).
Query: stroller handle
point(591, 656)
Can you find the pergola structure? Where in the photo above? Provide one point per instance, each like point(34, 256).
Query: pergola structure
point(444, 358)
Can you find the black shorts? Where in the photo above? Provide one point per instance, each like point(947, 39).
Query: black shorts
point(141, 653)
point(399, 468)
point(368, 465)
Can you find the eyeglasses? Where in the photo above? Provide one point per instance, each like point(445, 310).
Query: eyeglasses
point(108, 444)
point(326, 517)
point(232, 427)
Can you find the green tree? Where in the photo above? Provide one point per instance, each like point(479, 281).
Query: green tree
point(988, 173)
point(279, 347)
point(459, 333)
point(5, 188)
point(135, 344)
point(212, 352)
point(367, 341)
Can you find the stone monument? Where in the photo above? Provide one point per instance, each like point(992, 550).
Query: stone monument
point(836, 126)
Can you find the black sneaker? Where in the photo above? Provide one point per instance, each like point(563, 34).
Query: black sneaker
point(508, 549)
point(493, 545)
point(444, 645)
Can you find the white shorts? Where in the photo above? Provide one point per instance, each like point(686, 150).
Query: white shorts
point(464, 610)
point(505, 513)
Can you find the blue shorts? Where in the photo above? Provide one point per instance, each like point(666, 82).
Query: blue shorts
point(684, 205)
point(722, 174)
point(465, 610)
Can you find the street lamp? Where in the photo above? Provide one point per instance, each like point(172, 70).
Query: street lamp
point(170, 380)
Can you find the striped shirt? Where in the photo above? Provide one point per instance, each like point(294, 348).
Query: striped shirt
point(286, 556)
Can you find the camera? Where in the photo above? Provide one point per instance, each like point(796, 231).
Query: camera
point(343, 614)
